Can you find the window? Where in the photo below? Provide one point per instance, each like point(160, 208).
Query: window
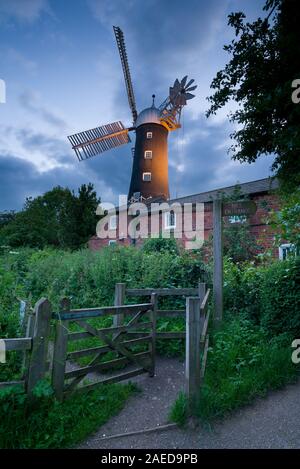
point(284, 250)
point(113, 222)
point(149, 134)
point(148, 154)
point(147, 177)
point(237, 219)
point(170, 220)
point(111, 242)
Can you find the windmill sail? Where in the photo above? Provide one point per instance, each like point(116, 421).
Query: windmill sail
point(124, 61)
point(94, 141)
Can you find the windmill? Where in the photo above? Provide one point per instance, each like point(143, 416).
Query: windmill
point(149, 178)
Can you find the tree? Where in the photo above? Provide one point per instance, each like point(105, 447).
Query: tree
point(286, 221)
point(260, 77)
point(87, 203)
point(57, 218)
point(6, 217)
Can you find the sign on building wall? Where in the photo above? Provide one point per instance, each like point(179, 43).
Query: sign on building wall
point(238, 208)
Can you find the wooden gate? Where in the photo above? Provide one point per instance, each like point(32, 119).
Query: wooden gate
point(140, 317)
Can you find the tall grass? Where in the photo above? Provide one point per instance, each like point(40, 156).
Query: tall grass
point(47, 423)
point(243, 363)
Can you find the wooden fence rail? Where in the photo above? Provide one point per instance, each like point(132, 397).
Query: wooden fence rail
point(114, 338)
point(121, 292)
point(35, 346)
point(8, 345)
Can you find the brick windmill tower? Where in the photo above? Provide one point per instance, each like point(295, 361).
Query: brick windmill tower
point(149, 177)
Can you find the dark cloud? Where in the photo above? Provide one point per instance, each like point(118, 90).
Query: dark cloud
point(164, 40)
point(52, 147)
point(20, 179)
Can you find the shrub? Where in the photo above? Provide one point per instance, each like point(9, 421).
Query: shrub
point(10, 324)
point(89, 277)
point(268, 295)
point(280, 298)
point(242, 283)
point(160, 245)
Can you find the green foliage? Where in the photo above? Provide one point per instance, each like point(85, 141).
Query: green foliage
point(239, 243)
point(171, 347)
point(259, 77)
point(280, 298)
point(6, 217)
point(268, 295)
point(179, 410)
point(286, 221)
point(242, 288)
point(250, 355)
point(57, 218)
point(89, 278)
point(46, 423)
point(10, 325)
point(243, 363)
point(160, 245)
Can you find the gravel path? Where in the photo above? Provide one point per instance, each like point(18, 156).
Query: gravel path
point(271, 422)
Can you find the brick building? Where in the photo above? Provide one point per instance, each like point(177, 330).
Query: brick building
point(168, 219)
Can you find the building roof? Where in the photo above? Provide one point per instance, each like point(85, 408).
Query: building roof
point(247, 188)
point(147, 116)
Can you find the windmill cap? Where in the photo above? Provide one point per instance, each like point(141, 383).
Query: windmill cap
point(151, 115)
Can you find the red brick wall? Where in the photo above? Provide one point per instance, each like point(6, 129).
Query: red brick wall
point(263, 233)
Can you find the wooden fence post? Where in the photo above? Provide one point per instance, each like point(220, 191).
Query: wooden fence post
point(28, 332)
point(119, 301)
point(192, 356)
point(41, 330)
point(218, 260)
point(60, 352)
point(152, 345)
point(201, 291)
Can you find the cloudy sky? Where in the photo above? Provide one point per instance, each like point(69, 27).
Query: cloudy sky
point(63, 74)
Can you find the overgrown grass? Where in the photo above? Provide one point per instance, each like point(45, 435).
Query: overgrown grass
point(89, 278)
point(47, 423)
point(179, 410)
point(243, 363)
point(247, 357)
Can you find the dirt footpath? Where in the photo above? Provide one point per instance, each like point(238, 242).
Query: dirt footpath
point(271, 422)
